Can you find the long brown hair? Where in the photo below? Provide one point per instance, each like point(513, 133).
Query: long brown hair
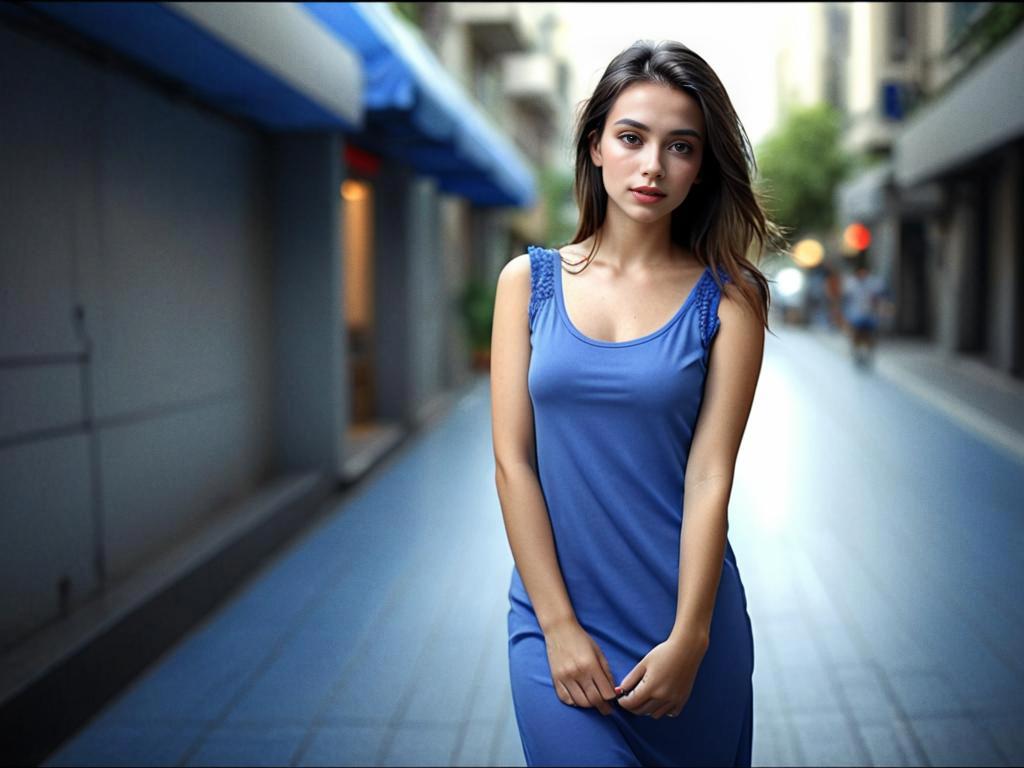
point(722, 221)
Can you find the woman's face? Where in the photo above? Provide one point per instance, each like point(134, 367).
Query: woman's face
point(653, 137)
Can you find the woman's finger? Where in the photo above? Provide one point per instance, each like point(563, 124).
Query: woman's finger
point(606, 667)
point(595, 698)
point(604, 687)
point(663, 710)
point(563, 694)
point(651, 707)
point(578, 694)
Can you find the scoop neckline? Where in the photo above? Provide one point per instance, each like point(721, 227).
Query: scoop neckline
point(556, 257)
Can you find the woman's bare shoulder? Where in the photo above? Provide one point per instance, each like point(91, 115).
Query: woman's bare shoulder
point(516, 273)
point(738, 319)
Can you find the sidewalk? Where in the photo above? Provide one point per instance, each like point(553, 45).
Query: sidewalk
point(65, 672)
point(974, 395)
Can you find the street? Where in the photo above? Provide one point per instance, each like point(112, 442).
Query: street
point(878, 541)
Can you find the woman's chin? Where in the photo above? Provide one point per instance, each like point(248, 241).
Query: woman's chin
point(646, 215)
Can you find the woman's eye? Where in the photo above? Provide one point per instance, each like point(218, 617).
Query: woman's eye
point(685, 147)
point(626, 136)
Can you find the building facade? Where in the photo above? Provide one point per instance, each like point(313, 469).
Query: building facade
point(221, 276)
point(934, 107)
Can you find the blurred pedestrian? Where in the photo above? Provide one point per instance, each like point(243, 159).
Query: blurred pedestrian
point(626, 604)
point(863, 296)
point(834, 295)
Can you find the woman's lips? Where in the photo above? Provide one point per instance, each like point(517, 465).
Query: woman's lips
point(645, 197)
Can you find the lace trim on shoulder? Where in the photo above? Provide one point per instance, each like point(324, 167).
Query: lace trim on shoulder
point(708, 298)
point(542, 276)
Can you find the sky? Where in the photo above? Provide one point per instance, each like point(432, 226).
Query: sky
point(738, 40)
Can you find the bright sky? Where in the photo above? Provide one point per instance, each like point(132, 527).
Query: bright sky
point(738, 40)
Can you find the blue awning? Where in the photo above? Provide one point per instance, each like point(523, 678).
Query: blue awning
point(267, 62)
point(352, 67)
point(418, 113)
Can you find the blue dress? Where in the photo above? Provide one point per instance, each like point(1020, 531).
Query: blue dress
point(613, 423)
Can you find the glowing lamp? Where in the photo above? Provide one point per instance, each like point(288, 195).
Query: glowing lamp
point(856, 237)
point(808, 253)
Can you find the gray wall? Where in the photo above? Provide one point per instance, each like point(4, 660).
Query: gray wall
point(310, 400)
point(135, 359)
point(432, 305)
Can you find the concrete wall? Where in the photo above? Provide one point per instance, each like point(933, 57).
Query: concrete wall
point(430, 307)
point(455, 240)
point(135, 297)
point(1007, 259)
point(310, 411)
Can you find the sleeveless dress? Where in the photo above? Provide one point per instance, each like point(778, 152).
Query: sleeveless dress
point(613, 424)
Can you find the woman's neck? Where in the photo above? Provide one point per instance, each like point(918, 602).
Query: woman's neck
point(627, 243)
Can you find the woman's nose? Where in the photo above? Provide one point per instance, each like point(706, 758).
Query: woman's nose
point(654, 166)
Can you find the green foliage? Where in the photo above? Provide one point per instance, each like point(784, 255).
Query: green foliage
point(556, 192)
point(998, 21)
point(800, 165)
point(477, 305)
point(410, 11)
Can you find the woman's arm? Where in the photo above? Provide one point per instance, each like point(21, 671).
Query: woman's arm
point(733, 370)
point(522, 502)
point(579, 670)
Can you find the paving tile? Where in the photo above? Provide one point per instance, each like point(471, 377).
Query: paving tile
point(840, 645)
point(956, 741)
point(807, 690)
point(827, 739)
point(865, 694)
point(489, 699)
point(797, 648)
point(142, 745)
point(193, 683)
point(888, 744)
point(294, 685)
point(925, 694)
point(507, 749)
point(254, 746)
point(344, 744)
point(422, 745)
point(455, 655)
point(475, 749)
point(1007, 731)
point(384, 668)
point(773, 742)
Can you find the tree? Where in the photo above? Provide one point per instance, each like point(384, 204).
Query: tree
point(800, 165)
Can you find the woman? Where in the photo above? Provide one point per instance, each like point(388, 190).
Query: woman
point(616, 426)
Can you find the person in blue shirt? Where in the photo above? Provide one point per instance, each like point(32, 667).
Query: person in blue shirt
point(865, 298)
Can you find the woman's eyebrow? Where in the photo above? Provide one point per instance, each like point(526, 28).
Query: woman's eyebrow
point(642, 127)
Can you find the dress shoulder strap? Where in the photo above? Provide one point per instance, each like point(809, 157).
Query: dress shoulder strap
point(710, 293)
point(542, 275)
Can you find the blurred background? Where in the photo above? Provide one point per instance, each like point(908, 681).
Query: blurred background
point(247, 265)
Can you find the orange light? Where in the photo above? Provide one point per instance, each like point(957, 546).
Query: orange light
point(856, 237)
point(353, 191)
point(808, 253)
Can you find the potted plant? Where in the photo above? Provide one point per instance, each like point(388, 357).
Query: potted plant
point(477, 304)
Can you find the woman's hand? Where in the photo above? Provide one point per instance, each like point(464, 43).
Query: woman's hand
point(660, 684)
point(579, 670)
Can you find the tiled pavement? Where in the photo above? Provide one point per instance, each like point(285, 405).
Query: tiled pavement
point(879, 543)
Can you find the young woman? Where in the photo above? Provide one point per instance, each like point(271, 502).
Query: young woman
point(616, 425)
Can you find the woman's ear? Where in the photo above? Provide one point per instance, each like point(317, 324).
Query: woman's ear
point(595, 149)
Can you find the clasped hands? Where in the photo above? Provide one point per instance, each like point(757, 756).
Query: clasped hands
point(659, 684)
